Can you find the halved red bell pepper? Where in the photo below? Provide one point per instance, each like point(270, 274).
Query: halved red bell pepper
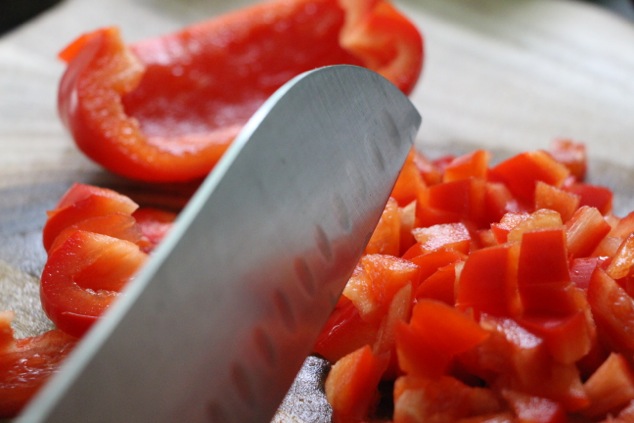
point(166, 109)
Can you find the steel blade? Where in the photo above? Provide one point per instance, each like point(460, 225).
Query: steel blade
point(217, 324)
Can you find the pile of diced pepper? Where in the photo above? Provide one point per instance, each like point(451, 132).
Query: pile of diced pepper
point(489, 293)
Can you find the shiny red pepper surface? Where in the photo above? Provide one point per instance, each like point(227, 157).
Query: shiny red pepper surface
point(166, 109)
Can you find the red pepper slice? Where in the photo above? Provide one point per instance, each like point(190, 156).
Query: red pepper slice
point(83, 276)
point(83, 202)
point(96, 241)
point(166, 109)
point(25, 364)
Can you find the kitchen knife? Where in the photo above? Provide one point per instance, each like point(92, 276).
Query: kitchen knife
point(218, 322)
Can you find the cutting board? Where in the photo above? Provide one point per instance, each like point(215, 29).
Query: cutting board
point(506, 76)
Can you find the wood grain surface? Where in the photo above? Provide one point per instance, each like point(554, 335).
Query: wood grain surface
point(507, 76)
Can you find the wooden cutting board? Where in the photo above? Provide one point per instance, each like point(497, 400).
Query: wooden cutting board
point(506, 76)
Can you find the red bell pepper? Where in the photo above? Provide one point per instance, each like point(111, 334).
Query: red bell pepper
point(166, 109)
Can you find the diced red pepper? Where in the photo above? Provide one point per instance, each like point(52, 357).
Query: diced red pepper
point(445, 399)
point(571, 154)
point(410, 183)
point(506, 224)
point(385, 343)
point(623, 227)
point(386, 238)
point(541, 219)
point(568, 338)
point(593, 196)
point(352, 385)
point(534, 409)
point(429, 262)
point(528, 305)
point(488, 282)
point(462, 199)
point(613, 311)
point(610, 388)
point(585, 230)
point(440, 285)
point(375, 282)
point(344, 332)
point(543, 258)
point(581, 270)
point(521, 173)
point(621, 264)
point(472, 165)
point(543, 276)
point(554, 198)
point(407, 216)
point(522, 360)
point(448, 236)
point(435, 335)
point(498, 201)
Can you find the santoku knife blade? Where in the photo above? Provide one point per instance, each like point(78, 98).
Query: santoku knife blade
point(219, 321)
